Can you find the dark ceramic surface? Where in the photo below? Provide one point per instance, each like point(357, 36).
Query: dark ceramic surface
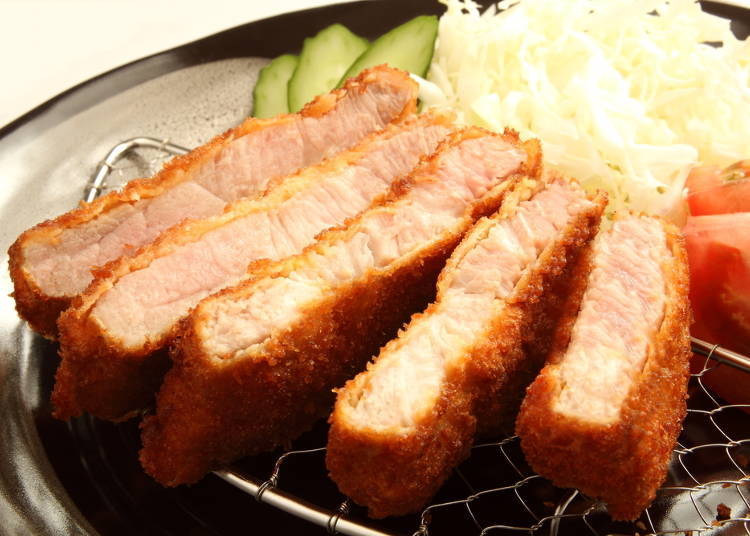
point(83, 477)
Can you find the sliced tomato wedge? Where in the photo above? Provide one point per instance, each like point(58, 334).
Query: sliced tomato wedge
point(712, 190)
point(719, 253)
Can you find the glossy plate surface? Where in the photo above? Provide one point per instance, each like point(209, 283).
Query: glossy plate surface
point(84, 477)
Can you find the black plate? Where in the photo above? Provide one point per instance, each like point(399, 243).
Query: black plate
point(83, 477)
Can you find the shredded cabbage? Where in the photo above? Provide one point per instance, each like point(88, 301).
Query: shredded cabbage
point(625, 96)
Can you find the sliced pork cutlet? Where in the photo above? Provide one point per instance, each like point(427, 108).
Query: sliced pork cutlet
point(256, 364)
point(604, 414)
point(52, 262)
point(109, 337)
point(398, 429)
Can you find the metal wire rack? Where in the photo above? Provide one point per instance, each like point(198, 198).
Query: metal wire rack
point(494, 492)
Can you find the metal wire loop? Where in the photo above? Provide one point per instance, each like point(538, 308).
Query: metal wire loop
point(334, 519)
point(98, 183)
point(262, 489)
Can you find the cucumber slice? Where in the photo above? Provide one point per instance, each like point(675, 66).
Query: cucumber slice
point(408, 47)
point(269, 95)
point(324, 58)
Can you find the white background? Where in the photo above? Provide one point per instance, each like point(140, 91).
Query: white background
point(47, 46)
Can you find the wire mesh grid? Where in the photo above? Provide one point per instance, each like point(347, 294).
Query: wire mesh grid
point(707, 490)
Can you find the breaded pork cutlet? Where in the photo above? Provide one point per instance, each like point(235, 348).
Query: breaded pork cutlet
point(398, 429)
point(256, 363)
point(604, 414)
point(110, 338)
point(52, 263)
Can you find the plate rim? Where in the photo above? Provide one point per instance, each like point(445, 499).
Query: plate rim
point(96, 89)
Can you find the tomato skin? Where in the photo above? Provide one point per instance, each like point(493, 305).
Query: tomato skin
point(718, 249)
point(719, 191)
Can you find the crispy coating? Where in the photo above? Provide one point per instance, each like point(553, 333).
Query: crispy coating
point(395, 474)
point(208, 415)
point(625, 462)
point(211, 411)
point(102, 376)
point(96, 373)
point(40, 309)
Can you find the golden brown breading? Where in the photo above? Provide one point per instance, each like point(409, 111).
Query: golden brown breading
point(209, 415)
point(212, 411)
point(98, 373)
point(625, 462)
point(40, 309)
point(396, 474)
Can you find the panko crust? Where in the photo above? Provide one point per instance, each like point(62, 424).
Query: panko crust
point(211, 411)
point(623, 463)
point(98, 373)
point(94, 375)
point(102, 376)
point(423, 171)
point(395, 474)
point(523, 334)
point(41, 310)
point(38, 308)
